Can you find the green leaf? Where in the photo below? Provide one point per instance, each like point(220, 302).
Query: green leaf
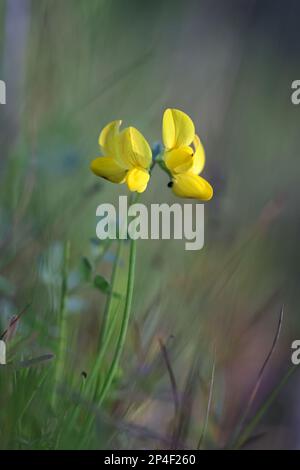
point(36, 361)
point(86, 269)
point(102, 284)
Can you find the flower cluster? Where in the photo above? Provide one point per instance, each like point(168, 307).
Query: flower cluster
point(128, 158)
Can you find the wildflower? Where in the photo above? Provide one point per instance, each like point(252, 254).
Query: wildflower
point(184, 156)
point(127, 157)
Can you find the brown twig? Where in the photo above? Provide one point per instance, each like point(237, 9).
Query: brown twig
point(14, 321)
point(260, 375)
point(209, 402)
point(171, 375)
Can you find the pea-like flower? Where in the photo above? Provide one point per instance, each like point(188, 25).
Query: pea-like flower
point(184, 162)
point(126, 157)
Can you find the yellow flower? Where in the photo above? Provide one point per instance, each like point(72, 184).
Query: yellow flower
point(127, 157)
point(185, 162)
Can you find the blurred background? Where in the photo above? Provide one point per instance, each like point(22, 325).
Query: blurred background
point(203, 323)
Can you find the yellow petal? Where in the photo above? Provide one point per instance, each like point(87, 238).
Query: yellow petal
point(179, 160)
point(134, 149)
point(108, 138)
point(178, 129)
point(109, 169)
point(137, 180)
point(199, 156)
point(188, 185)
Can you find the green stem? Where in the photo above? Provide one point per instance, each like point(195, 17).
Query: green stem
point(159, 160)
point(162, 165)
point(95, 382)
point(107, 310)
point(105, 327)
point(60, 362)
point(124, 325)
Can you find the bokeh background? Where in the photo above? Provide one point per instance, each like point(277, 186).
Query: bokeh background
point(70, 67)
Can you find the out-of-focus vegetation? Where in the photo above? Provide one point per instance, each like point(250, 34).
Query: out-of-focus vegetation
point(202, 323)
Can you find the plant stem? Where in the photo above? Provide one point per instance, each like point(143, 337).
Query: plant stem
point(124, 325)
point(60, 362)
point(107, 310)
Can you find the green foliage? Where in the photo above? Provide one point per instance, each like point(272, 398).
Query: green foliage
point(86, 269)
point(71, 380)
point(102, 284)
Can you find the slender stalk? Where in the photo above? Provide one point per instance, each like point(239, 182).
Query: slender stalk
point(122, 335)
point(94, 382)
point(263, 409)
point(106, 329)
point(96, 379)
point(107, 311)
point(209, 402)
point(124, 325)
point(254, 392)
point(60, 362)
